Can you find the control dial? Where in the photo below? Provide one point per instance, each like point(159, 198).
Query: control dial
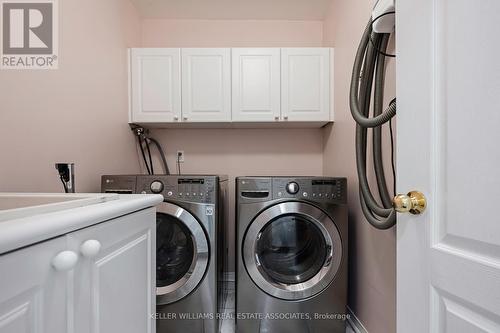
point(292, 188)
point(156, 186)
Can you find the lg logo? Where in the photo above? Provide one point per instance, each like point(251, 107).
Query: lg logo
point(29, 34)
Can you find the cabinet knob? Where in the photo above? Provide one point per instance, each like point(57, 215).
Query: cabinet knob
point(90, 248)
point(285, 117)
point(65, 261)
point(176, 118)
point(276, 118)
point(185, 118)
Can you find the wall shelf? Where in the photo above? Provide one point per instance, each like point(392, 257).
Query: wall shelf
point(228, 125)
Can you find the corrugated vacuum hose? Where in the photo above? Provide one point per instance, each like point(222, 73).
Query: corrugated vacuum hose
point(369, 74)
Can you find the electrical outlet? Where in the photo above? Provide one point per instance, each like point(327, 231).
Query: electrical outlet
point(180, 156)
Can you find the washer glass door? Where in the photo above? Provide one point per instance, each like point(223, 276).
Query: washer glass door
point(182, 253)
point(174, 250)
point(292, 250)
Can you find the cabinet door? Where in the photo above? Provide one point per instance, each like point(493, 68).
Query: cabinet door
point(33, 294)
point(256, 84)
point(115, 286)
point(305, 84)
point(206, 85)
point(155, 76)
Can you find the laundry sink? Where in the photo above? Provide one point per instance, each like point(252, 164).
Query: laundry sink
point(19, 205)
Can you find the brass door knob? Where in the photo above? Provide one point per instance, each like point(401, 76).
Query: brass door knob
point(414, 203)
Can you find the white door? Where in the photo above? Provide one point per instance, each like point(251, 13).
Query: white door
point(256, 84)
point(155, 80)
point(114, 287)
point(206, 85)
point(448, 89)
point(305, 84)
point(33, 294)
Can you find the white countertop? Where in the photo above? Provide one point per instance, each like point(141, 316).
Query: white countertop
point(29, 218)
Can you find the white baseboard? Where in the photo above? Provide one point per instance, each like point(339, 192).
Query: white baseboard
point(354, 323)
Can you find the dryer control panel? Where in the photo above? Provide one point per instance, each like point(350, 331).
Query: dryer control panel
point(320, 189)
point(316, 189)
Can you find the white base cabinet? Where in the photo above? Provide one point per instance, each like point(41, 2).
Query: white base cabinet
point(110, 287)
point(33, 295)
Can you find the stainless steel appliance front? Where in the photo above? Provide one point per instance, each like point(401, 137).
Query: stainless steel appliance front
point(182, 253)
point(305, 247)
point(292, 242)
point(187, 243)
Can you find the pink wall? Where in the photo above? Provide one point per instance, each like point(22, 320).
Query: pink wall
point(77, 113)
point(372, 253)
point(249, 151)
point(244, 152)
point(231, 33)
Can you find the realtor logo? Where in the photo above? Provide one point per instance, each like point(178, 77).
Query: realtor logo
point(29, 34)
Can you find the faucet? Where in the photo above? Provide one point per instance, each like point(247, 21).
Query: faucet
point(67, 176)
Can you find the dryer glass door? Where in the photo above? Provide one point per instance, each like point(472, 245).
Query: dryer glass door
point(292, 250)
point(182, 253)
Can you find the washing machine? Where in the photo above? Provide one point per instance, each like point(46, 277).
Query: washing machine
point(292, 254)
point(189, 235)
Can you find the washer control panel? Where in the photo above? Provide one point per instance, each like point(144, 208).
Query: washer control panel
point(184, 188)
point(292, 188)
point(192, 188)
point(121, 184)
point(156, 186)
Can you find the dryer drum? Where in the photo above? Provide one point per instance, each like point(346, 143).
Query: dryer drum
point(291, 249)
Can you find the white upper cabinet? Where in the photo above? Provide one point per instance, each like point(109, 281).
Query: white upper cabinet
point(206, 85)
point(305, 84)
point(256, 84)
point(211, 87)
point(155, 76)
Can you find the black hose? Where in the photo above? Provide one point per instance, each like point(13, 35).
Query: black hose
point(64, 184)
point(162, 155)
point(143, 154)
point(149, 155)
point(369, 75)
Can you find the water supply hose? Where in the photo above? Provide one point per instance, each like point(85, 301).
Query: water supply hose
point(368, 76)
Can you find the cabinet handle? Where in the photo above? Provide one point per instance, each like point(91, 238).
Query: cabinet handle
point(276, 118)
point(65, 261)
point(285, 117)
point(90, 248)
point(185, 118)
